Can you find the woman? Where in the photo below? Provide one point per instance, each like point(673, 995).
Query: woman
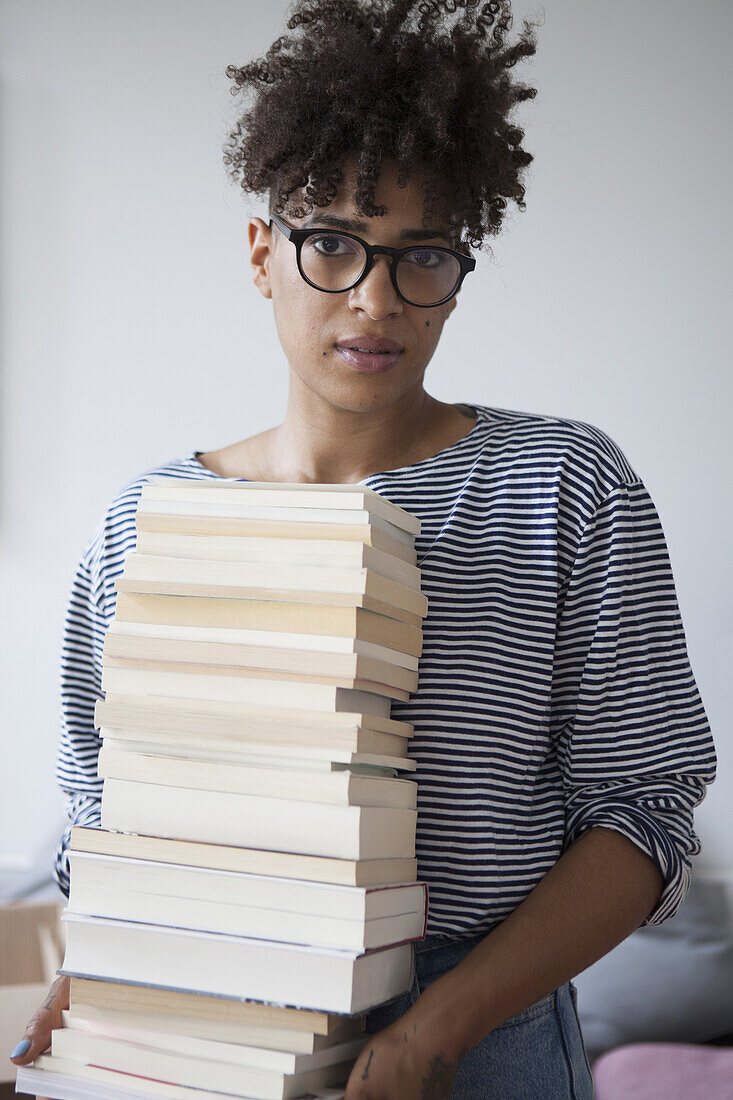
point(560, 738)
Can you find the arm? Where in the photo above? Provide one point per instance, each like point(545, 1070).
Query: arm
point(81, 675)
point(634, 754)
point(81, 685)
point(597, 893)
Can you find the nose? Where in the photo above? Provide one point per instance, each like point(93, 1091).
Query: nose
point(375, 293)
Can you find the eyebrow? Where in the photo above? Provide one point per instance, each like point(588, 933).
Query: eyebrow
point(349, 226)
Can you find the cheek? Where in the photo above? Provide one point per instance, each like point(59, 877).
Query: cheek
point(303, 321)
point(287, 285)
point(289, 299)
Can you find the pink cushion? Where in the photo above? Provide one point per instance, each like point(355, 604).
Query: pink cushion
point(664, 1071)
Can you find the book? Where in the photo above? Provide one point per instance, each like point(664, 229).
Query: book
point(142, 720)
point(340, 788)
point(210, 678)
point(258, 823)
point(228, 965)
point(333, 518)
point(181, 1069)
point(343, 497)
point(324, 553)
point(276, 925)
point(328, 667)
point(347, 872)
point(320, 643)
point(277, 616)
point(237, 527)
point(256, 906)
point(127, 677)
point(195, 1009)
point(61, 1079)
point(277, 824)
point(261, 755)
point(324, 576)
point(327, 761)
point(155, 574)
point(263, 1037)
point(219, 718)
point(149, 1031)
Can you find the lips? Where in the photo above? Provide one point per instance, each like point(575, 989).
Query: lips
point(372, 344)
point(371, 362)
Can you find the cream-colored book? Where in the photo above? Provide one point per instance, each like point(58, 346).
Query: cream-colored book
point(281, 494)
point(80, 1020)
point(323, 553)
point(235, 724)
point(153, 573)
point(344, 668)
point(225, 526)
point(198, 1026)
point(311, 644)
point(324, 759)
point(128, 677)
point(347, 872)
point(276, 616)
point(342, 788)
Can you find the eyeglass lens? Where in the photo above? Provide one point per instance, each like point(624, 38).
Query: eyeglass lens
point(334, 262)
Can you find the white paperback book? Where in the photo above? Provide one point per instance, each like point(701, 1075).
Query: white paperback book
point(247, 821)
point(191, 1070)
point(62, 1079)
point(234, 966)
point(242, 689)
point(264, 907)
point(235, 1054)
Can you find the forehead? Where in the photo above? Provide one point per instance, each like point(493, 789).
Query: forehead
point(374, 227)
point(403, 219)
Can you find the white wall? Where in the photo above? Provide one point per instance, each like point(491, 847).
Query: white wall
point(131, 331)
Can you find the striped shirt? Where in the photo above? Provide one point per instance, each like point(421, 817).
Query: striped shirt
point(555, 691)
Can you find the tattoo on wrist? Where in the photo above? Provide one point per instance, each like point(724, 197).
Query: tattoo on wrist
point(365, 1074)
point(437, 1081)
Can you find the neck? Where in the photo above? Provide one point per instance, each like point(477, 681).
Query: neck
point(322, 443)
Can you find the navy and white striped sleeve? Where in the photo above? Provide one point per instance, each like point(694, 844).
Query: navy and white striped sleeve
point(89, 612)
point(634, 745)
point(81, 685)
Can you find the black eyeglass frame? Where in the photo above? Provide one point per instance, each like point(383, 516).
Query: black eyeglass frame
point(298, 236)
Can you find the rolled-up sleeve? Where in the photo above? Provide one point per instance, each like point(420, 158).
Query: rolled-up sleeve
point(633, 740)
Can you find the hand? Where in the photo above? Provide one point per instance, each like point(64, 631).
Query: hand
point(405, 1061)
point(43, 1022)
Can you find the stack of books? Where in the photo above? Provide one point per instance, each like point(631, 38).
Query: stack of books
point(252, 890)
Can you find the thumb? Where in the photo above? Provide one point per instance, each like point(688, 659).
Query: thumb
point(37, 1036)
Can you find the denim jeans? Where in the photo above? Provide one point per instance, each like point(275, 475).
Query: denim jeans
point(536, 1055)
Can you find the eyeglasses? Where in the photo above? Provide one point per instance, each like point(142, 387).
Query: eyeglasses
point(334, 261)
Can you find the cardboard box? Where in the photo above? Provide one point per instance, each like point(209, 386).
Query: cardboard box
point(32, 944)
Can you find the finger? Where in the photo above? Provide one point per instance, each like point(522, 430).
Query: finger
point(37, 1036)
point(31, 1045)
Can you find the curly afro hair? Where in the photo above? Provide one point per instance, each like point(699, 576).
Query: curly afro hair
point(378, 79)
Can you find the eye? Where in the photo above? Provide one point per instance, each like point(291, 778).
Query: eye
point(426, 258)
point(330, 244)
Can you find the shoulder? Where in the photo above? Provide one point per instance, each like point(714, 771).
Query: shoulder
point(580, 449)
point(129, 494)
point(115, 534)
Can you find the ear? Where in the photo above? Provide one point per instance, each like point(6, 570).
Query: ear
point(261, 246)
